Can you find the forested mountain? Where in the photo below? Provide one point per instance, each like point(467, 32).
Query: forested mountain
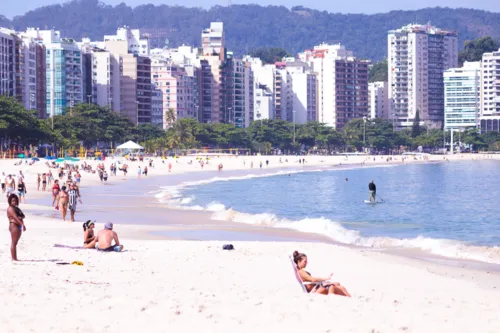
point(251, 26)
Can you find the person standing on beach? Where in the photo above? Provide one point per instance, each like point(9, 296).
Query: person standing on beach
point(373, 191)
point(74, 197)
point(38, 181)
point(3, 180)
point(21, 190)
point(10, 184)
point(139, 172)
point(44, 182)
point(16, 224)
point(62, 202)
point(55, 192)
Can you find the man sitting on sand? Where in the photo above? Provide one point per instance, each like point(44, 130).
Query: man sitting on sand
point(105, 238)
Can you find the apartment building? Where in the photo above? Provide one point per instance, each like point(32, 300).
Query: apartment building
point(135, 82)
point(418, 55)
point(303, 91)
point(64, 70)
point(462, 96)
point(175, 87)
point(7, 62)
point(213, 40)
point(490, 92)
point(342, 84)
point(137, 43)
point(378, 99)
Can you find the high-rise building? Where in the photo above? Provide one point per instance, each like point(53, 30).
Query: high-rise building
point(135, 82)
point(379, 99)
point(303, 84)
point(342, 84)
point(462, 96)
point(7, 62)
point(417, 56)
point(175, 87)
point(490, 92)
point(64, 70)
point(213, 40)
point(137, 43)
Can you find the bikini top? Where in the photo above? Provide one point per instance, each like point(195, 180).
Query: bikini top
point(19, 212)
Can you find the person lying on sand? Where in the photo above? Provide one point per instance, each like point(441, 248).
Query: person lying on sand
point(326, 288)
point(105, 239)
point(89, 239)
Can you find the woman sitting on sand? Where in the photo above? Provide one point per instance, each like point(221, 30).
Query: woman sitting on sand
point(326, 288)
point(16, 223)
point(88, 235)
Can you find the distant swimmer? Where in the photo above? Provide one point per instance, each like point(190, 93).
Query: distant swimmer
point(346, 179)
point(373, 192)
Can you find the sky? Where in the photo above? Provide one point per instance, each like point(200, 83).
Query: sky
point(10, 8)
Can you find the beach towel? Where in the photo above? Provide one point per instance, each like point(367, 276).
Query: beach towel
point(70, 247)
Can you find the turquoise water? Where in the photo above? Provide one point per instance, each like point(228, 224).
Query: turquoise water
point(440, 207)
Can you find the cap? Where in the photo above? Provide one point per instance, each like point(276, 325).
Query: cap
point(108, 225)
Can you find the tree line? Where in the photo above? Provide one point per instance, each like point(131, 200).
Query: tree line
point(90, 126)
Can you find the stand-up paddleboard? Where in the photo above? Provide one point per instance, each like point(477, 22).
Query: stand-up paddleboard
point(372, 202)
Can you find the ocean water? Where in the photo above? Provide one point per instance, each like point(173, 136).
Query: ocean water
point(449, 209)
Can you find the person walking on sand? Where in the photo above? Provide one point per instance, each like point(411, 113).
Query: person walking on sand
point(62, 202)
point(104, 239)
point(55, 192)
point(373, 191)
point(38, 181)
point(44, 182)
point(3, 180)
point(21, 190)
point(139, 172)
point(16, 224)
point(74, 198)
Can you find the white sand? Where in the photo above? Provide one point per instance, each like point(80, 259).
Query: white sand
point(182, 286)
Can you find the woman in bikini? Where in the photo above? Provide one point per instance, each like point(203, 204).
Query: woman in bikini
point(88, 235)
point(16, 224)
point(62, 202)
point(55, 192)
point(325, 287)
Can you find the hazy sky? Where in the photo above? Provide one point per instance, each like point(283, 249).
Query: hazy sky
point(10, 8)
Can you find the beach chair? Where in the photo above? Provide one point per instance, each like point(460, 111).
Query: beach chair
point(299, 279)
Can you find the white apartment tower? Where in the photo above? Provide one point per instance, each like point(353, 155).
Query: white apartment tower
point(213, 40)
point(462, 96)
point(490, 92)
point(303, 93)
point(64, 70)
point(138, 44)
point(417, 56)
point(379, 99)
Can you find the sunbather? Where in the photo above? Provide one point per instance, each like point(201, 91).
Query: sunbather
point(105, 239)
point(326, 287)
point(89, 238)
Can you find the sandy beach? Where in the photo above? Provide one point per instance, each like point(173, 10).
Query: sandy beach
point(161, 285)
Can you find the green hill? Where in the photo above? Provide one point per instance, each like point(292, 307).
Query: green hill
point(251, 26)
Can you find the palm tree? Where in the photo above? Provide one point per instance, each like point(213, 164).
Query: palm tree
point(170, 116)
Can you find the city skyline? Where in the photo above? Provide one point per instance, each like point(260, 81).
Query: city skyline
point(12, 8)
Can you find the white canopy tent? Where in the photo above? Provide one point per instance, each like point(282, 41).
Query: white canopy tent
point(130, 145)
point(127, 148)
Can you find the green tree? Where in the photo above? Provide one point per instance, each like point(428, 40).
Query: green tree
point(415, 128)
point(474, 49)
point(170, 116)
point(379, 71)
point(269, 55)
